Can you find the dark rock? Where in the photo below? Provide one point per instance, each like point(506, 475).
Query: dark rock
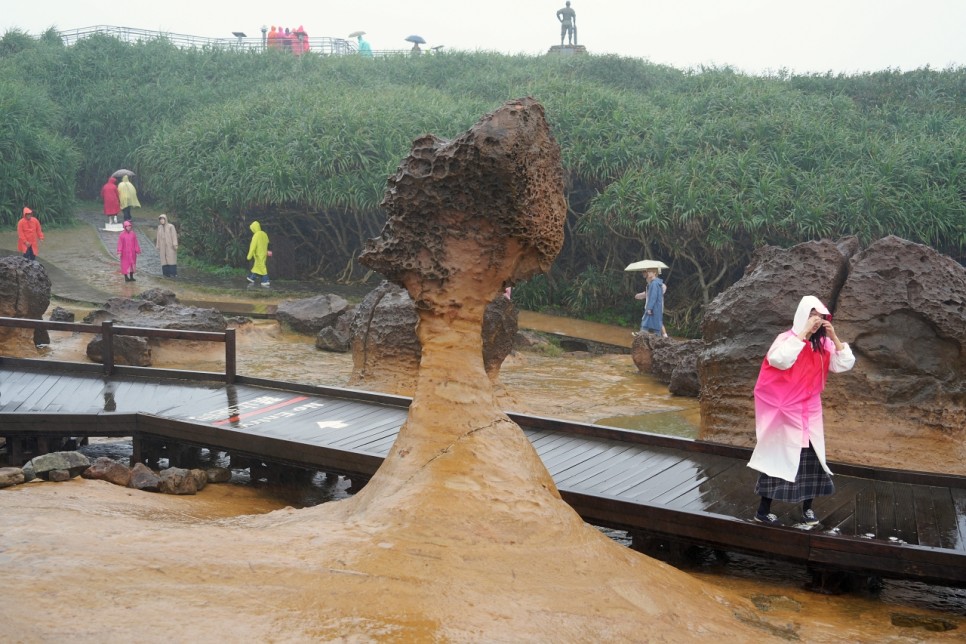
point(385, 349)
point(218, 474)
point(72, 462)
point(903, 310)
point(159, 296)
point(59, 476)
point(330, 339)
point(10, 476)
point(176, 480)
point(107, 469)
point(142, 478)
point(926, 622)
point(500, 326)
point(144, 313)
point(201, 478)
point(24, 293)
point(671, 361)
point(128, 349)
point(311, 315)
point(60, 314)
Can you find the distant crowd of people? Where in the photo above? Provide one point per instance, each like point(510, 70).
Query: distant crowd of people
point(285, 39)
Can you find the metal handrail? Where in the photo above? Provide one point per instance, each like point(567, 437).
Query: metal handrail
point(108, 331)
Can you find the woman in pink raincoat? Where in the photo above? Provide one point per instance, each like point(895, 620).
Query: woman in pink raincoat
point(790, 453)
point(128, 250)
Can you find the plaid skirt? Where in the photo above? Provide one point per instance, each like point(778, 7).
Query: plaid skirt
point(810, 481)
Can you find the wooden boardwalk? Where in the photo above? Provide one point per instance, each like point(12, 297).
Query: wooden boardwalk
point(883, 522)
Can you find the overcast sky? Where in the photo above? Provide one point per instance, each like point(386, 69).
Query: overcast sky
point(755, 36)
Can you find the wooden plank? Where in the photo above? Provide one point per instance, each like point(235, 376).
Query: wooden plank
point(905, 514)
point(945, 513)
point(959, 502)
point(694, 488)
point(925, 512)
point(613, 457)
point(885, 510)
point(865, 522)
point(633, 470)
point(630, 478)
point(735, 485)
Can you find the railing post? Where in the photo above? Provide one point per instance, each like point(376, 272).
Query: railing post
point(107, 353)
point(230, 356)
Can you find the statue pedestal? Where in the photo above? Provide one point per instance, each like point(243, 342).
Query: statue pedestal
point(114, 228)
point(567, 50)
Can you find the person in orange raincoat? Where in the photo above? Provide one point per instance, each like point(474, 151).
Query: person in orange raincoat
point(29, 234)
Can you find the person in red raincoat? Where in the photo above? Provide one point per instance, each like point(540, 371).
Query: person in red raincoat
point(28, 234)
point(128, 250)
point(112, 201)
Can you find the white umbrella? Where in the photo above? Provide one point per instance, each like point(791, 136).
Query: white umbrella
point(356, 34)
point(645, 264)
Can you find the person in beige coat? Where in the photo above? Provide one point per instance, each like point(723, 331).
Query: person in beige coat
point(167, 245)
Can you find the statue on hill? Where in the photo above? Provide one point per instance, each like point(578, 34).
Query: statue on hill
point(568, 24)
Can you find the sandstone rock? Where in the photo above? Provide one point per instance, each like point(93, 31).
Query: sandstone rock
point(60, 314)
point(200, 477)
point(159, 296)
point(130, 312)
point(10, 476)
point(72, 462)
point(311, 315)
point(176, 480)
point(24, 293)
point(385, 349)
point(142, 478)
point(218, 474)
point(128, 349)
point(107, 469)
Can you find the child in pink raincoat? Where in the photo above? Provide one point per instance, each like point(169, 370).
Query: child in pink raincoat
point(128, 250)
point(790, 452)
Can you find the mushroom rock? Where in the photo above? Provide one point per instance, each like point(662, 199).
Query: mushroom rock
point(462, 532)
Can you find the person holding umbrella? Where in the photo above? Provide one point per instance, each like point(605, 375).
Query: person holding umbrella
point(112, 201)
point(29, 234)
point(653, 296)
point(416, 41)
point(365, 49)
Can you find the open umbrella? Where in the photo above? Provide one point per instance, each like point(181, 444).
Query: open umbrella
point(122, 172)
point(645, 264)
point(419, 40)
point(356, 34)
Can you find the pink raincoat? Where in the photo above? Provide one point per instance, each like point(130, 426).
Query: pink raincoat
point(128, 249)
point(788, 397)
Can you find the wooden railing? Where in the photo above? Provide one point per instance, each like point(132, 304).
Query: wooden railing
point(108, 331)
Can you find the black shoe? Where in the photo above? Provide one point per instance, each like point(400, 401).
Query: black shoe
point(770, 519)
point(809, 518)
point(132, 278)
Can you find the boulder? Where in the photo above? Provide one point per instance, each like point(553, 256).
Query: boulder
point(147, 312)
point(24, 293)
point(177, 480)
point(107, 469)
point(311, 315)
point(128, 349)
point(159, 296)
point(218, 474)
point(674, 362)
point(10, 476)
point(142, 478)
point(60, 314)
point(74, 463)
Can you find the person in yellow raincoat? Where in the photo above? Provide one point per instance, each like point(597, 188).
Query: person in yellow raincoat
point(129, 197)
point(258, 252)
